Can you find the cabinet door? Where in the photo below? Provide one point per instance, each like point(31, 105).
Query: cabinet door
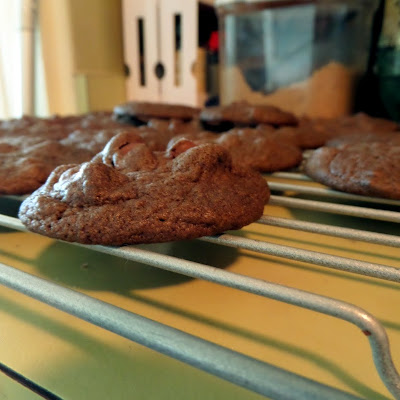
point(178, 50)
point(141, 43)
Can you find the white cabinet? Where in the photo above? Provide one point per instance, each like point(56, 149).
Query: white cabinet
point(161, 51)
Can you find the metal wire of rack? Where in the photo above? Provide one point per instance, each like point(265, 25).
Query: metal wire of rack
point(242, 370)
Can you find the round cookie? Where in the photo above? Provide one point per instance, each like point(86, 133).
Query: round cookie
point(314, 133)
point(31, 147)
point(128, 194)
point(26, 168)
point(308, 134)
point(360, 137)
point(370, 169)
point(362, 122)
point(92, 140)
point(243, 114)
point(259, 150)
point(14, 124)
point(175, 126)
point(139, 112)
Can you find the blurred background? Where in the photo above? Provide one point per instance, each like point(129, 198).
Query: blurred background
point(68, 56)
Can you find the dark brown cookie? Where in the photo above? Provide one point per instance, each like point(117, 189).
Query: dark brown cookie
point(24, 169)
point(139, 112)
point(196, 137)
point(129, 194)
point(30, 147)
point(385, 137)
point(57, 127)
point(356, 124)
point(263, 150)
point(308, 134)
point(175, 126)
point(260, 150)
point(156, 140)
point(92, 140)
point(361, 122)
point(370, 169)
point(18, 142)
point(243, 114)
point(17, 123)
point(314, 133)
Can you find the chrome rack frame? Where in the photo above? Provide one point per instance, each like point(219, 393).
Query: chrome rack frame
point(237, 368)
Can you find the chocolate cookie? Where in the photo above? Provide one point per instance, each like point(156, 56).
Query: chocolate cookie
point(259, 150)
point(24, 168)
point(92, 140)
point(196, 137)
point(362, 122)
point(17, 123)
point(56, 127)
point(31, 147)
point(308, 134)
point(129, 194)
point(175, 126)
point(370, 169)
point(313, 133)
point(243, 114)
point(139, 112)
point(156, 140)
point(385, 137)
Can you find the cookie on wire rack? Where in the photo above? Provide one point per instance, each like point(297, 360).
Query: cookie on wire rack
point(243, 114)
point(129, 194)
point(370, 169)
point(141, 112)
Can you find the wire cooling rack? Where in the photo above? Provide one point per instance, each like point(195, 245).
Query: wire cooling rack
point(260, 377)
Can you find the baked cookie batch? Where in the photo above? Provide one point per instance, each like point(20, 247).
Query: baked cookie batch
point(150, 172)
